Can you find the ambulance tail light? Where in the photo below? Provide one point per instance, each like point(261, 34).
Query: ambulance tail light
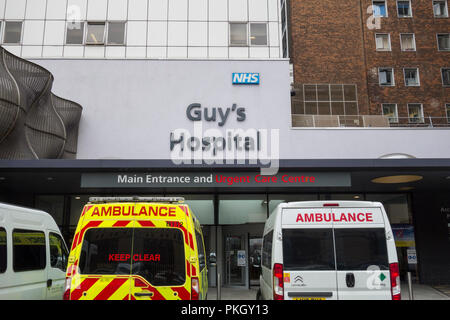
point(66, 295)
point(195, 289)
point(395, 281)
point(278, 284)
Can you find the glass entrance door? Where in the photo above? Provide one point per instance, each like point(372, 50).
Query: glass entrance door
point(255, 245)
point(235, 260)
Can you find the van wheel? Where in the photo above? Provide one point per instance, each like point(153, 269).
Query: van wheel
point(258, 295)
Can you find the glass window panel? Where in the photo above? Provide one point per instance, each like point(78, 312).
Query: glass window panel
point(415, 113)
point(310, 93)
point(337, 93)
point(308, 249)
point(13, 32)
point(446, 76)
point(350, 93)
point(3, 252)
point(202, 206)
point(95, 33)
point(116, 33)
point(379, 9)
point(75, 33)
point(390, 111)
point(310, 107)
point(440, 8)
point(258, 34)
point(238, 34)
point(447, 110)
point(411, 77)
point(404, 8)
point(407, 42)
point(396, 206)
point(351, 108)
point(240, 209)
point(58, 252)
point(324, 108)
point(382, 42)
point(337, 108)
point(28, 250)
point(358, 249)
point(444, 42)
point(165, 264)
point(323, 92)
point(386, 76)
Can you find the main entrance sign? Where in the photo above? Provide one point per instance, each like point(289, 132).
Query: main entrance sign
point(221, 179)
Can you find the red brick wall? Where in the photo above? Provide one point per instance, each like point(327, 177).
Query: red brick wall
point(330, 43)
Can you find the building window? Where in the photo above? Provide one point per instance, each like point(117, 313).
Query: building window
point(13, 32)
point(404, 9)
point(95, 33)
point(415, 113)
point(386, 77)
point(75, 32)
point(383, 42)
point(411, 77)
point(408, 42)
point(447, 111)
point(379, 8)
point(440, 8)
point(445, 76)
point(390, 110)
point(238, 34)
point(258, 34)
point(443, 42)
point(116, 33)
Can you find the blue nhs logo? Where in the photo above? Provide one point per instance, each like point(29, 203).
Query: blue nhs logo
point(245, 78)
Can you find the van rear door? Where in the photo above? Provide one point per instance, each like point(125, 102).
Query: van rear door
point(361, 254)
point(308, 255)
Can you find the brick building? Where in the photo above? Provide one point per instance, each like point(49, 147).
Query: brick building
point(370, 63)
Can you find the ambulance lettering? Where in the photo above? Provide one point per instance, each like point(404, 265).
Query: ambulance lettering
point(335, 217)
point(115, 211)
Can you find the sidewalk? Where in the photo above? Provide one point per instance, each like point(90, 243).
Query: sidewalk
point(421, 292)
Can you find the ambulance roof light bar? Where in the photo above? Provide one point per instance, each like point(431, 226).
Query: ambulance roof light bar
point(135, 199)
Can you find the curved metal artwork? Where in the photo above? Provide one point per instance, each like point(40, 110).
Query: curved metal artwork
point(34, 123)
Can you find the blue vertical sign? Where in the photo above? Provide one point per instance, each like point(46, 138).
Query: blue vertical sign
point(246, 78)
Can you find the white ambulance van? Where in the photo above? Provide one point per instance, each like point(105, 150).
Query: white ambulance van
point(33, 255)
point(336, 250)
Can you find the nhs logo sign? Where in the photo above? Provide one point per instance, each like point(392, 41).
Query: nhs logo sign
point(246, 78)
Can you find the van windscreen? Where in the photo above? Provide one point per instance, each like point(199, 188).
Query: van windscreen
point(357, 249)
point(153, 253)
point(308, 249)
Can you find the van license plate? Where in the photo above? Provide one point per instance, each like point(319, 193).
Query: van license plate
point(309, 298)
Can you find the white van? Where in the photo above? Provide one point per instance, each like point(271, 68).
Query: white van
point(337, 250)
point(33, 255)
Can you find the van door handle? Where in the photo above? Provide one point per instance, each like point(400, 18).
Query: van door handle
point(49, 283)
point(350, 280)
point(144, 294)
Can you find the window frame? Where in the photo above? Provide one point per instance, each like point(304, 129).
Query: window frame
point(446, 9)
point(83, 34)
point(414, 42)
point(94, 22)
point(421, 118)
point(3, 31)
point(64, 248)
point(393, 77)
point(14, 253)
point(247, 37)
point(125, 30)
point(410, 9)
point(417, 76)
point(250, 34)
point(391, 120)
point(437, 40)
point(385, 7)
point(389, 42)
point(442, 76)
point(2, 229)
point(447, 111)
